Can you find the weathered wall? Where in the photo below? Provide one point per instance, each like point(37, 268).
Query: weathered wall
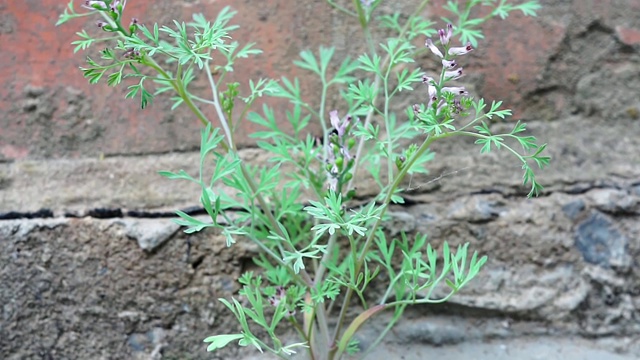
point(117, 283)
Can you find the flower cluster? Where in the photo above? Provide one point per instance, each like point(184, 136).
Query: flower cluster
point(339, 161)
point(450, 71)
point(281, 298)
point(115, 9)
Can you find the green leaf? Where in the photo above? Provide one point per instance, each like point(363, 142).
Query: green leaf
point(369, 64)
point(308, 62)
point(192, 224)
point(220, 341)
point(179, 175)
point(83, 44)
point(343, 74)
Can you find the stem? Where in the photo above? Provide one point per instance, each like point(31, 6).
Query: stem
point(383, 333)
point(376, 84)
point(216, 105)
point(387, 126)
point(385, 205)
point(325, 131)
point(341, 9)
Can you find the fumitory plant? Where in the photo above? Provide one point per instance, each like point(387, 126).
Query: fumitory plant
point(322, 242)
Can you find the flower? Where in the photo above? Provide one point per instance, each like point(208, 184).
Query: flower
point(461, 50)
point(338, 160)
point(457, 90)
point(434, 49)
point(453, 74)
point(449, 64)
point(445, 37)
point(95, 5)
point(118, 5)
point(340, 126)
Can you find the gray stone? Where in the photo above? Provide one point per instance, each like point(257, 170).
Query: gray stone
point(150, 233)
point(400, 222)
point(475, 209)
point(549, 294)
point(573, 209)
point(614, 200)
point(18, 229)
point(601, 243)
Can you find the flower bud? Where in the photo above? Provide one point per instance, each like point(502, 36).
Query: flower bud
point(95, 5)
point(133, 26)
point(446, 36)
point(104, 26)
point(351, 194)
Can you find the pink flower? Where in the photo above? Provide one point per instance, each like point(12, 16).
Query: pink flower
point(340, 126)
point(449, 64)
point(445, 37)
point(457, 90)
point(95, 5)
point(433, 48)
point(455, 51)
point(453, 74)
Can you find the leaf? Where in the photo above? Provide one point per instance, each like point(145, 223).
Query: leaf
point(179, 175)
point(308, 62)
point(193, 224)
point(220, 341)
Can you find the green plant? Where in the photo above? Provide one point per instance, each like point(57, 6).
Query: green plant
point(299, 207)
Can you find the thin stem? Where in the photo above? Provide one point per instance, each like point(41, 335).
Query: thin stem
point(325, 258)
point(323, 123)
point(387, 125)
point(216, 105)
point(400, 176)
point(385, 205)
point(383, 333)
point(342, 9)
point(376, 84)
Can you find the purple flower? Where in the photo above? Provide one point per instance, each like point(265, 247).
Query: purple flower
point(101, 24)
point(95, 5)
point(453, 74)
point(131, 54)
point(434, 49)
point(117, 3)
point(449, 64)
point(281, 294)
point(445, 37)
point(461, 50)
point(340, 126)
point(457, 90)
point(366, 3)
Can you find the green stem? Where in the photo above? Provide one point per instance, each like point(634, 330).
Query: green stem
point(396, 316)
point(342, 9)
point(376, 85)
point(385, 204)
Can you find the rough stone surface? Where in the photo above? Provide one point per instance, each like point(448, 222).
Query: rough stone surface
point(92, 268)
point(83, 289)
